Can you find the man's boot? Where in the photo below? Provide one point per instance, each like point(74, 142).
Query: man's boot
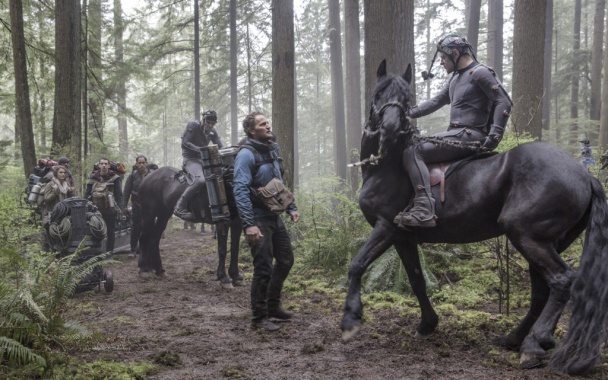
point(264, 324)
point(181, 208)
point(421, 215)
point(277, 312)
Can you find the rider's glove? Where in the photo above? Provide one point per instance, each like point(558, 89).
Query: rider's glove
point(493, 138)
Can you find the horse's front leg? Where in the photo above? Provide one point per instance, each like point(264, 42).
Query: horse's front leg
point(222, 250)
point(408, 252)
point(379, 241)
point(235, 239)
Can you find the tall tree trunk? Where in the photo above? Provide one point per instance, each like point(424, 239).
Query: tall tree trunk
point(283, 83)
point(22, 92)
point(121, 88)
point(596, 60)
point(66, 117)
point(495, 38)
point(528, 55)
point(389, 34)
point(547, 69)
point(473, 23)
point(337, 85)
point(197, 65)
point(575, 78)
point(234, 127)
point(94, 73)
point(352, 66)
point(604, 110)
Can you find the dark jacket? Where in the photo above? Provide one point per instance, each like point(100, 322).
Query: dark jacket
point(132, 185)
point(244, 180)
point(194, 138)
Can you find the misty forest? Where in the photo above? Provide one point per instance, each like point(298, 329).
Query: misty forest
point(87, 79)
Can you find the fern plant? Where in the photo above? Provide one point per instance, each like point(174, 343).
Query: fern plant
point(34, 289)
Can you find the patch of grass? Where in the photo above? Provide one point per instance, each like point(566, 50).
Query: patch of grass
point(312, 348)
point(185, 331)
point(234, 372)
point(167, 358)
point(124, 320)
point(64, 367)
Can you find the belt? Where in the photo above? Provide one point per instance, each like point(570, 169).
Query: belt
point(482, 129)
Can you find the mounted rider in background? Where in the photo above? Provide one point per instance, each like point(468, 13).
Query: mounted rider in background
point(480, 108)
point(197, 135)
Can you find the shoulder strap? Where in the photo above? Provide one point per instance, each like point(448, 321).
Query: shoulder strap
point(259, 161)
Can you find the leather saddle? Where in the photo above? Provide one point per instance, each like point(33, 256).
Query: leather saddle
point(439, 171)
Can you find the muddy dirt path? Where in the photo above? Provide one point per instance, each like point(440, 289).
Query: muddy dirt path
point(188, 314)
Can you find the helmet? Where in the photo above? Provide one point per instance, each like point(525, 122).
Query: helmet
point(210, 116)
point(448, 43)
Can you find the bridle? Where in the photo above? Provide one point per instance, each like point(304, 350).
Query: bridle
point(376, 114)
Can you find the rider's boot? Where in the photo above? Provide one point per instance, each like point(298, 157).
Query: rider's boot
point(422, 213)
point(181, 210)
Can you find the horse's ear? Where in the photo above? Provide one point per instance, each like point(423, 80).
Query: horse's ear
point(408, 74)
point(381, 69)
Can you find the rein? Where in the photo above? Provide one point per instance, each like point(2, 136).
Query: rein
point(370, 131)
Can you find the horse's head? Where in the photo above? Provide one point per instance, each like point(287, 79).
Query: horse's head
point(389, 107)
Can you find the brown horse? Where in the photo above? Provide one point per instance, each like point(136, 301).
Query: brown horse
point(537, 195)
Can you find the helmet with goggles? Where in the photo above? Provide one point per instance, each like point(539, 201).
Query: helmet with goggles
point(447, 44)
point(210, 116)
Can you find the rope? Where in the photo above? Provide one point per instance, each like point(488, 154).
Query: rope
point(60, 211)
point(60, 232)
point(96, 225)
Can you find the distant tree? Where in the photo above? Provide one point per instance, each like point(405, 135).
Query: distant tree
point(66, 118)
point(473, 23)
point(94, 70)
point(283, 83)
point(596, 60)
point(335, 50)
point(121, 83)
point(22, 93)
point(528, 55)
point(575, 76)
point(547, 62)
point(234, 128)
point(495, 36)
point(352, 65)
point(197, 63)
point(604, 110)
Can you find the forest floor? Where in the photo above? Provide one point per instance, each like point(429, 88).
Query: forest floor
point(192, 328)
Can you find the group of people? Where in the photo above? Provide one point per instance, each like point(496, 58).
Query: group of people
point(104, 190)
point(480, 108)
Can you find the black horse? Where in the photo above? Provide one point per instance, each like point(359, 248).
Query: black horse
point(159, 193)
point(540, 197)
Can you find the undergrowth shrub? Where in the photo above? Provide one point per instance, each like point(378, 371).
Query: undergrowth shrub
point(34, 289)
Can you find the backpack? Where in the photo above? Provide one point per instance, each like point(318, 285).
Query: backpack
point(102, 193)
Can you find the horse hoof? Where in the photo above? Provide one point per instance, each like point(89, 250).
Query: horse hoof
point(528, 361)
point(350, 333)
point(238, 283)
point(226, 285)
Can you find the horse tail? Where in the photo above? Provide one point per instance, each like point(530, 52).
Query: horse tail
point(580, 350)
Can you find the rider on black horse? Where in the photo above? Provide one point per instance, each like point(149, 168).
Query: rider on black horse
point(479, 113)
point(197, 135)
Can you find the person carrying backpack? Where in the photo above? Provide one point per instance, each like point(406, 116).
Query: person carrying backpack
point(104, 190)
